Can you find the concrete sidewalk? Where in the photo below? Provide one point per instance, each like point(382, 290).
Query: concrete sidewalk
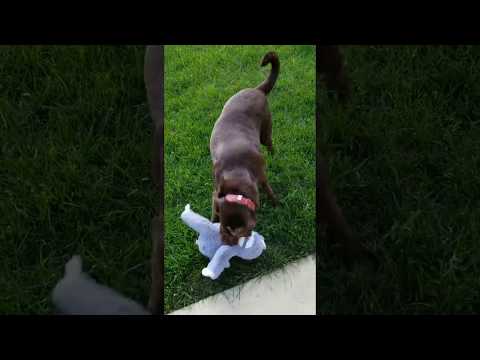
point(288, 291)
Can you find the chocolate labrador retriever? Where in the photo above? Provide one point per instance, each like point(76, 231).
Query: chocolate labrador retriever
point(238, 165)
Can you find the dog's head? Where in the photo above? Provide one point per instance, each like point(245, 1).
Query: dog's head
point(236, 221)
point(236, 205)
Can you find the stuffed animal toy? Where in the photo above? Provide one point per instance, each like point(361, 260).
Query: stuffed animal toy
point(210, 244)
point(78, 294)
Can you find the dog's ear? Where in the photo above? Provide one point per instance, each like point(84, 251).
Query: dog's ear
point(218, 205)
point(215, 171)
point(220, 193)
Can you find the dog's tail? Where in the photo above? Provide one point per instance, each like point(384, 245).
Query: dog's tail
point(267, 85)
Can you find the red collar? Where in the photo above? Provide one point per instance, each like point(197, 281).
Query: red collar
point(240, 199)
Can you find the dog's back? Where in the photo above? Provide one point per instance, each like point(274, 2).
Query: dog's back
point(239, 125)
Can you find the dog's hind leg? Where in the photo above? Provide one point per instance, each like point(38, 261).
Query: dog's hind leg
point(266, 132)
point(268, 189)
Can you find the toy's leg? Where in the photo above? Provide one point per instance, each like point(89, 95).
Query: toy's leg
point(78, 294)
point(253, 252)
point(220, 261)
point(209, 242)
point(194, 220)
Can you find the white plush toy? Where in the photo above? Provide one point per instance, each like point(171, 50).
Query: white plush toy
point(210, 244)
point(78, 294)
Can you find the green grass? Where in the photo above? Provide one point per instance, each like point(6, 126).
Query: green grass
point(404, 157)
point(75, 139)
point(75, 171)
point(198, 81)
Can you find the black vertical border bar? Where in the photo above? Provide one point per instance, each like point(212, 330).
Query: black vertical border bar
point(154, 73)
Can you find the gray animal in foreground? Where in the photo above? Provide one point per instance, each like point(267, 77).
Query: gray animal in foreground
point(78, 294)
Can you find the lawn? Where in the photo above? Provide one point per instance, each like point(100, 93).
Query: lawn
point(74, 170)
point(404, 157)
point(198, 81)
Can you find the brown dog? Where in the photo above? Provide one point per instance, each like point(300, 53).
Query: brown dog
point(238, 165)
point(331, 69)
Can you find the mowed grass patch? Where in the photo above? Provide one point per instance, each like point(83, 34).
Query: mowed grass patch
point(404, 158)
point(75, 139)
point(198, 81)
